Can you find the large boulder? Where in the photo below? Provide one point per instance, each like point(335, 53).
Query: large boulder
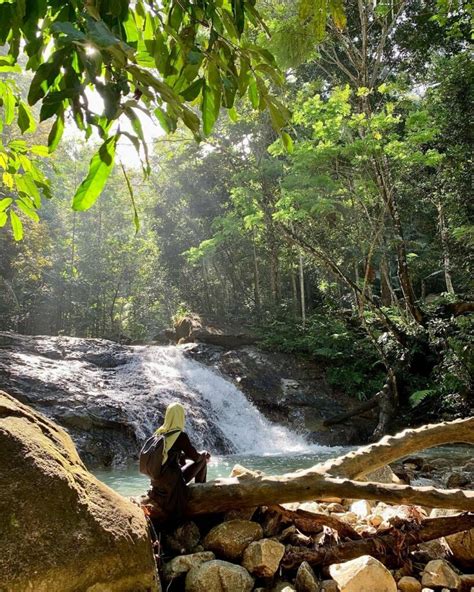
point(439, 573)
point(229, 539)
point(62, 530)
point(262, 558)
point(363, 574)
point(218, 576)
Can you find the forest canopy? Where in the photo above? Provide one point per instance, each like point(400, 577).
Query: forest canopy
point(303, 170)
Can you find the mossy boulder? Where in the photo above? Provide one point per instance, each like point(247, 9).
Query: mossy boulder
point(62, 530)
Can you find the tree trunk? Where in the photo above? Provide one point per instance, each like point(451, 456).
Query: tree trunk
point(319, 481)
point(443, 231)
point(386, 547)
point(302, 294)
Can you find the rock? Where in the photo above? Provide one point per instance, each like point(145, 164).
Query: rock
point(311, 507)
point(241, 514)
point(244, 473)
point(218, 576)
point(62, 530)
point(329, 586)
point(409, 584)
point(362, 574)
point(283, 587)
point(262, 558)
point(361, 508)
point(183, 563)
point(229, 539)
point(186, 326)
point(335, 507)
point(184, 539)
point(382, 475)
point(439, 573)
point(305, 579)
point(461, 544)
point(457, 480)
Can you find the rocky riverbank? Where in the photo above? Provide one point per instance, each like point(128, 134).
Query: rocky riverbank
point(252, 549)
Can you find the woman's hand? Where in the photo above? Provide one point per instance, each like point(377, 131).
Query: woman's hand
point(207, 455)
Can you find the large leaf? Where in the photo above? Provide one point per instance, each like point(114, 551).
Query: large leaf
point(17, 226)
point(26, 121)
point(100, 168)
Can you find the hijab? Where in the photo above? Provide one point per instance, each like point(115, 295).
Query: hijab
point(174, 422)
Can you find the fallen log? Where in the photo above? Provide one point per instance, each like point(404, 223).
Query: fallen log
point(387, 547)
point(359, 462)
point(323, 480)
point(312, 522)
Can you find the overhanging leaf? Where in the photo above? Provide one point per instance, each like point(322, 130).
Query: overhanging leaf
point(100, 168)
point(17, 226)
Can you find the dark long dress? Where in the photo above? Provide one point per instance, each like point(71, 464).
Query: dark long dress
point(169, 491)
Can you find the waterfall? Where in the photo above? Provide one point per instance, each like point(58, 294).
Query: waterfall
point(212, 403)
point(111, 397)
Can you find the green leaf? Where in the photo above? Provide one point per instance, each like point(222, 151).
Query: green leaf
point(26, 121)
point(101, 35)
point(8, 106)
point(3, 219)
point(100, 168)
point(209, 108)
point(56, 132)
point(4, 203)
point(17, 226)
point(287, 142)
point(25, 208)
point(68, 30)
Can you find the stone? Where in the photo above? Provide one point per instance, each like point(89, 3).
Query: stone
point(283, 587)
point(361, 508)
point(460, 544)
point(305, 579)
point(382, 475)
point(335, 507)
point(329, 586)
point(181, 564)
point(218, 576)
point(240, 514)
point(456, 480)
point(184, 539)
point(262, 558)
point(439, 573)
point(311, 507)
point(229, 539)
point(362, 574)
point(61, 529)
point(409, 584)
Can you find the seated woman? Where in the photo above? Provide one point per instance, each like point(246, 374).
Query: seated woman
point(169, 490)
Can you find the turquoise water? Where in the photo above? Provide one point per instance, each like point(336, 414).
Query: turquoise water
point(128, 481)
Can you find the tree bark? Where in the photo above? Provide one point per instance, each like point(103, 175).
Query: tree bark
point(387, 547)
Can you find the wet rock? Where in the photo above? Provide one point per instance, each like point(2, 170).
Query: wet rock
point(229, 539)
point(409, 584)
point(262, 558)
point(439, 573)
point(184, 539)
point(305, 579)
point(181, 564)
point(362, 574)
point(218, 576)
point(62, 530)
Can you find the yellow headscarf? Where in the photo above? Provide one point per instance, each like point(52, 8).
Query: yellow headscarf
point(174, 420)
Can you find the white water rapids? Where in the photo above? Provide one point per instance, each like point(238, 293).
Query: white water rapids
point(212, 403)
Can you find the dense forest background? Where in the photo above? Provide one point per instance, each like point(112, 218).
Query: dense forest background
point(347, 239)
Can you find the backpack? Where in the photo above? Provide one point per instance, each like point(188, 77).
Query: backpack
point(151, 454)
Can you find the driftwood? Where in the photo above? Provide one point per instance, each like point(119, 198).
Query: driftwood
point(389, 546)
point(327, 479)
point(312, 522)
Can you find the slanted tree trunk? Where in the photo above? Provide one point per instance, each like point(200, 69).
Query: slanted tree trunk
point(321, 481)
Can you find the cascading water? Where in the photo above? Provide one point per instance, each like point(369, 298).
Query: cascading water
point(213, 404)
point(111, 397)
